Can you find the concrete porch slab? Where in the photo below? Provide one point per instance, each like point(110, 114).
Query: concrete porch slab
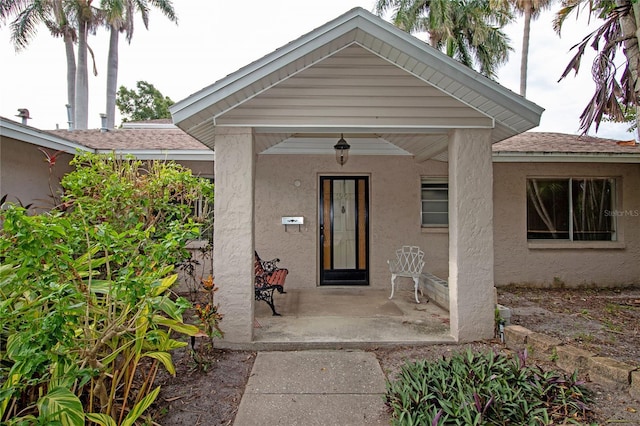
point(348, 317)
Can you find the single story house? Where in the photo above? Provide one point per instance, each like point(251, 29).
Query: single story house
point(439, 157)
point(25, 175)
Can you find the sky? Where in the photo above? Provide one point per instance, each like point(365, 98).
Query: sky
point(214, 38)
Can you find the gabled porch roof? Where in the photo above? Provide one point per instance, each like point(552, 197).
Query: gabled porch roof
point(356, 74)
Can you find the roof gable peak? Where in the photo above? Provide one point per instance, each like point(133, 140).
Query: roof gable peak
point(513, 114)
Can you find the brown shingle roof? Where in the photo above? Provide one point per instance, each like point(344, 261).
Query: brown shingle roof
point(544, 142)
point(176, 139)
point(132, 139)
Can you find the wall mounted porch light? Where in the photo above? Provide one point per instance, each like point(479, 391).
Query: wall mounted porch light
point(342, 151)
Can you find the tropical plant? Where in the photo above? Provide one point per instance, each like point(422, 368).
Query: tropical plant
point(72, 20)
point(467, 30)
point(88, 18)
point(617, 85)
point(86, 314)
point(530, 10)
point(207, 312)
point(56, 17)
point(120, 18)
point(484, 389)
point(143, 103)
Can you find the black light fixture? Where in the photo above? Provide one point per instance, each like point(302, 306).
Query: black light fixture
point(342, 150)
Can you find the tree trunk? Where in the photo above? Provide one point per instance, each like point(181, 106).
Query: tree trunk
point(112, 77)
point(630, 28)
point(71, 75)
point(636, 14)
point(81, 106)
point(524, 60)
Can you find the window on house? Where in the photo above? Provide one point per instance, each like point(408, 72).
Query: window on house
point(576, 209)
point(435, 202)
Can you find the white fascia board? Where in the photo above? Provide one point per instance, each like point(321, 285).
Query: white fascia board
point(455, 70)
point(337, 128)
point(13, 130)
point(564, 157)
point(376, 27)
point(257, 70)
point(164, 154)
point(262, 67)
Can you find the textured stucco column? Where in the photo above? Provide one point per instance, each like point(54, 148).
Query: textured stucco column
point(471, 294)
point(233, 235)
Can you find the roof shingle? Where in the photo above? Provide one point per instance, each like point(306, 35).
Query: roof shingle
point(546, 142)
point(132, 139)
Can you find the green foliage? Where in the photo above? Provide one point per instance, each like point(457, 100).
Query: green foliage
point(469, 31)
point(145, 103)
point(86, 314)
point(483, 389)
point(208, 311)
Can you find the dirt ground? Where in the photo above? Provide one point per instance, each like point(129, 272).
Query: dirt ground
point(209, 383)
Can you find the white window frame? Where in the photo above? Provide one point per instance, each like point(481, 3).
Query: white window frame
point(435, 184)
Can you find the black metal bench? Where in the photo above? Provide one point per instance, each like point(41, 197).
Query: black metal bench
point(269, 278)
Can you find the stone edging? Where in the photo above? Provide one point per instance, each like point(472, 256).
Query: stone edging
point(607, 372)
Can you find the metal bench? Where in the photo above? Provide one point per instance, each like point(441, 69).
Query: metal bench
point(408, 263)
point(268, 278)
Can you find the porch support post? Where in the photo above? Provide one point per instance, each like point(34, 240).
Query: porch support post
point(233, 258)
point(471, 287)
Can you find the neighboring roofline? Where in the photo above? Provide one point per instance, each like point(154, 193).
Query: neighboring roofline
point(164, 154)
point(25, 133)
point(565, 157)
point(375, 26)
point(142, 125)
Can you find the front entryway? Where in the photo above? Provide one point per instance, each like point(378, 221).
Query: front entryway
point(344, 230)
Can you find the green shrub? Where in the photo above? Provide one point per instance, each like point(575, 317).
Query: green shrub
point(483, 389)
point(86, 313)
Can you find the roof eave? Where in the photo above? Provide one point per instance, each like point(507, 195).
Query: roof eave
point(564, 157)
point(28, 134)
point(528, 112)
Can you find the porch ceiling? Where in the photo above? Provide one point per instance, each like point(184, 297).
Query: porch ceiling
point(420, 146)
point(388, 92)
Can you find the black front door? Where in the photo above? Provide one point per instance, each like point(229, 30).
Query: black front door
point(344, 230)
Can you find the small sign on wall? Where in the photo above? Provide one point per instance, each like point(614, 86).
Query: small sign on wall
point(292, 220)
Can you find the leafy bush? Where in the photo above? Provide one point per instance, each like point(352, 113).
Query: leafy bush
point(86, 313)
point(484, 389)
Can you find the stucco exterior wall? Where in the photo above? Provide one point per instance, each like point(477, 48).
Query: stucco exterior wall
point(233, 260)
point(394, 213)
point(471, 303)
point(570, 264)
point(24, 173)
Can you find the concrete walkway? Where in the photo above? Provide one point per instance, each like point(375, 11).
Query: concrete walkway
point(314, 387)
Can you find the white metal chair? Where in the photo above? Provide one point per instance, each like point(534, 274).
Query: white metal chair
point(409, 262)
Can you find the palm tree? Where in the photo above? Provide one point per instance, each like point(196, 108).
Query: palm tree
point(56, 17)
point(88, 18)
point(617, 88)
point(467, 30)
point(120, 18)
point(531, 10)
